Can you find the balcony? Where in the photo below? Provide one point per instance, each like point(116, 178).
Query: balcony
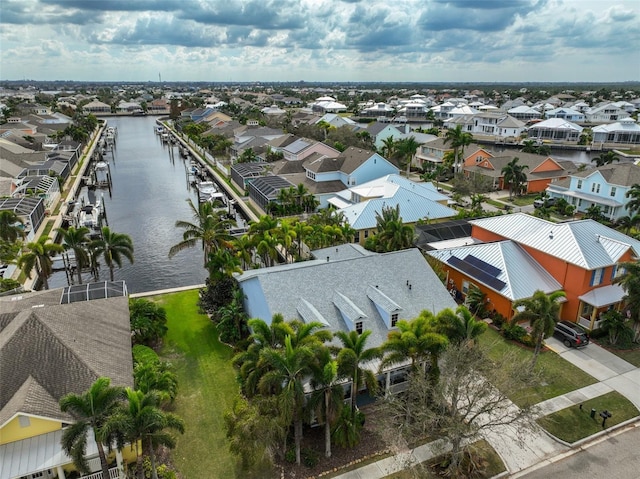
point(113, 474)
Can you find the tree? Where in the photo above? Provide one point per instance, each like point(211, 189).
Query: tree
point(605, 158)
point(140, 419)
point(351, 358)
point(529, 146)
point(209, 228)
point(288, 369)
point(148, 321)
point(156, 376)
point(91, 410)
point(391, 232)
point(633, 205)
point(542, 311)
point(302, 230)
point(113, 247)
point(514, 175)
point(247, 156)
point(77, 240)
point(630, 282)
point(232, 320)
point(416, 340)
point(459, 326)
point(407, 148)
point(594, 212)
point(388, 149)
point(11, 226)
point(458, 139)
point(327, 396)
point(39, 256)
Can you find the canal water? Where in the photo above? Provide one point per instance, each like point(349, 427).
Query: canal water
point(149, 194)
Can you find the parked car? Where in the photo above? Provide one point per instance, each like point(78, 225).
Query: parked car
point(572, 335)
point(546, 202)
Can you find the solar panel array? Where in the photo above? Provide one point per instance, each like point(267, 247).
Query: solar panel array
point(87, 292)
point(476, 272)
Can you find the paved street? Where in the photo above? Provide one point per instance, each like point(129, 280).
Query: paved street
point(614, 457)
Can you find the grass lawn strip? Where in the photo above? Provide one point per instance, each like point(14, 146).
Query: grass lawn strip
point(558, 375)
point(629, 355)
point(207, 387)
point(572, 424)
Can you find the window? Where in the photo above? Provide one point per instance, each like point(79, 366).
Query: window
point(579, 186)
point(619, 271)
point(465, 287)
point(613, 191)
point(359, 327)
point(595, 188)
point(596, 276)
point(366, 234)
point(24, 421)
point(394, 319)
point(587, 310)
point(311, 174)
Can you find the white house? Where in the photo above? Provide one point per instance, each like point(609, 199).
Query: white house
point(555, 129)
point(605, 114)
point(625, 131)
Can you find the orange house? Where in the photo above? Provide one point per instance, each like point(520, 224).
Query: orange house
point(583, 256)
point(540, 170)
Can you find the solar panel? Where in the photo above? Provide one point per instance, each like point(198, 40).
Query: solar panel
point(482, 265)
point(476, 273)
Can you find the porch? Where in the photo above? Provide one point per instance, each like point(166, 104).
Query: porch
point(598, 301)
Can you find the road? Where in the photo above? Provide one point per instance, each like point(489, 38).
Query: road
point(614, 458)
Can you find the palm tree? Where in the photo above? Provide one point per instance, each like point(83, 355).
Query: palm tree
point(76, 239)
point(633, 205)
point(327, 396)
point(11, 226)
point(458, 139)
point(407, 148)
point(630, 282)
point(286, 235)
point(459, 326)
point(529, 146)
point(513, 174)
point(113, 247)
point(416, 340)
point(39, 257)
point(288, 369)
point(302, 230)
point(209, 228)
point(392, 234)
point(222, 263)
point(542, 311)
point(388, 149)
point(91, 409)
point(142, 421)
point(605, 158)
point(627, 223)
point(351, 357)
point(243, 246)
point(158, 377)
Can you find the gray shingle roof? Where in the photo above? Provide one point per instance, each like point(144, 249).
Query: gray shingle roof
point(52, 349)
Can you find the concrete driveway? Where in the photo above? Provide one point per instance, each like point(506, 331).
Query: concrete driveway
point(606, 367)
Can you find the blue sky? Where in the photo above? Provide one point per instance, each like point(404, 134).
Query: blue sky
point(321, 40)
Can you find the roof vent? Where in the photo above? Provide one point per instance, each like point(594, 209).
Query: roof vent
point(551, 234)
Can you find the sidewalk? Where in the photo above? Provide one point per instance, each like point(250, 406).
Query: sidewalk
point(613, 374)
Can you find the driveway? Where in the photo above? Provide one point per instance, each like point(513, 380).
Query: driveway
point(606, 367)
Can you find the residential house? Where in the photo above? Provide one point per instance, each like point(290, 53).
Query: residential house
point(524, 113)
point(605, 187)
point(565, 114)
point(555, 130)
point(304, 147)
point(128, 107)
point(53, 343)
point(249, 137)
point(623, 132)
point(378, 110)
point(490, 124)
point(361, 204)
point(432, 153)
point(584, 256)
point(97, 108)
point(607, 113)
point(336, 120)
point(502, 270)
point(30, 208)
point(349, 289)
point(541, 170)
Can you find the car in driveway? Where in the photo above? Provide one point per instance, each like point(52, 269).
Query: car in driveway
point(571, 335)
point(546, 202)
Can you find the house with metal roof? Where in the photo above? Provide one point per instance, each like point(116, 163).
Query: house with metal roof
point(541, 170)
point(623, 132)
point(361, 204)
point(502, 270)
point(348, 288)
point(605, 187)
point(584, 256)
point(555, 129)
point(53, 343)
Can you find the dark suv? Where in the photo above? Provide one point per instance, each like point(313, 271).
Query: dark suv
point(571, 334)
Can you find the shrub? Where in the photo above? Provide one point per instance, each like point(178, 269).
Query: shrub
point(348, 427)
point(498, 320)
point(310, 457)
point(514, 331)
point(290, 456)
point(144, 355)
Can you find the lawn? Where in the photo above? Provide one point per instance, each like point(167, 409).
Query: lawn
point(558, 375)
point(630, 355)
point(523, 200)
point(207, 387)
point(572, 424)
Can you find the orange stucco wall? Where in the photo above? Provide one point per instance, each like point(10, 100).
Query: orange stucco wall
point(496, 301)
point(471, 159)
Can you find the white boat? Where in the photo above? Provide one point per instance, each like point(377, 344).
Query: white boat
point(102, 173)
point(88, 212)
point(206, 189)
point(164, 137)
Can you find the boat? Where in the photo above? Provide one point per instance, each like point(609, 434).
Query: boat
point(205, 190)
point(102, 173)
point(164, 137)
point(88, 212)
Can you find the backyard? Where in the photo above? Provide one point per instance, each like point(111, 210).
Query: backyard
point(207, 387)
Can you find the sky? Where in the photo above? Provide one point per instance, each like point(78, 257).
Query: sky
point(321, 40)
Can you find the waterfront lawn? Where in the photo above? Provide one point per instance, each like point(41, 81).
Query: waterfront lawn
point(207, 387)
point(558, 375)
point(572, 424)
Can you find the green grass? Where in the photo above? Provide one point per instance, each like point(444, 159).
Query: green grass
point(558, 375)
point(572, 424)
point(630, 355)
point(207, 387)
point(523, 200)
point(494, 464)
